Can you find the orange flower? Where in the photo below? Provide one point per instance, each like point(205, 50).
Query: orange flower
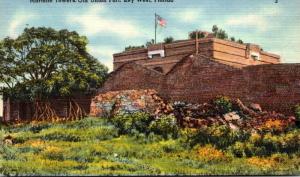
point(276, 125)
point(262, 162)
point(209, 153)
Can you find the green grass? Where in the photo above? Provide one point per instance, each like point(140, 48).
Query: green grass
point(93, 147)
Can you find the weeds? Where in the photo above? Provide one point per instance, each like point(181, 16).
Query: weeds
point(96, 147)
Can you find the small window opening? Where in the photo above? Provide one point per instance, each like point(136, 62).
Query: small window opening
point(255, 56)
point(159, 69)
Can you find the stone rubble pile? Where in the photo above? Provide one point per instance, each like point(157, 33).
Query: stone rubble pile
point(187, 114)
point(242, 117)
point(114, 102)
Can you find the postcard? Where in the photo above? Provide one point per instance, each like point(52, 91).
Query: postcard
point(149, 87)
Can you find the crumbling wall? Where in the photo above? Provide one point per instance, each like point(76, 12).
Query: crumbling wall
point(199, 79)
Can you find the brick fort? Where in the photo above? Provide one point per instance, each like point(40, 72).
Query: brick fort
point(195, 71)
point(201, 69)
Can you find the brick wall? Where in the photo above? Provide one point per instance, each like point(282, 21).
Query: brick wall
point(275, 87)
point(14, 109)
point(200, 79)
point(131, 76)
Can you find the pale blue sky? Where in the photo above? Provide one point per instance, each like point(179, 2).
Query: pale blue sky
point(112, 26)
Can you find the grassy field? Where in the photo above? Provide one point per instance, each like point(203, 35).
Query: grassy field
point(94, 147)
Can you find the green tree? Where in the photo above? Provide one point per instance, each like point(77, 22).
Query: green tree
point(128, 48)
point(192, 35)
point(168, 40)
point(151, 42)
point(219, 33)
point(215, 29)
point(43, 62)
point(240, 41)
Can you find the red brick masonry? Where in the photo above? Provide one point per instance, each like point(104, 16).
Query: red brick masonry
point(201, 78)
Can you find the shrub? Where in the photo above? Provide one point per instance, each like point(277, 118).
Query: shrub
point(223, 104)
point(165, 126)
point(271, 143)
point(266, 145)
point(280, 158)
point(126, 122)
point(237, 149)
point(150, 138)
point(290, 142)
point(219, 136)
point(153, 138)
point(187, 136)
point(255, 138)
point(284, 143)
point(246, 149)
point(171, 146)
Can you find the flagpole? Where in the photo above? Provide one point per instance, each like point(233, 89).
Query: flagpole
point(155, 27)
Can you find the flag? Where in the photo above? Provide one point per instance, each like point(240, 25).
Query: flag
point(160, 21)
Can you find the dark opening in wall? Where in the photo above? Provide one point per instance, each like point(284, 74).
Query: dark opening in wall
point(159, 69)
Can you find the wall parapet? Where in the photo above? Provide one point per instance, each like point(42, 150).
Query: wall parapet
point(232, 53)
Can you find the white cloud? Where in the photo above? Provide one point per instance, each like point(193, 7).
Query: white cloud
point(179, 34)
point(249, 21)
point(109, 64)
point(189, 15)
point(104, 54)
point(259, 19)
point(270, 11)
point(94, 22)
point(289, 48)
point(18, 22)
